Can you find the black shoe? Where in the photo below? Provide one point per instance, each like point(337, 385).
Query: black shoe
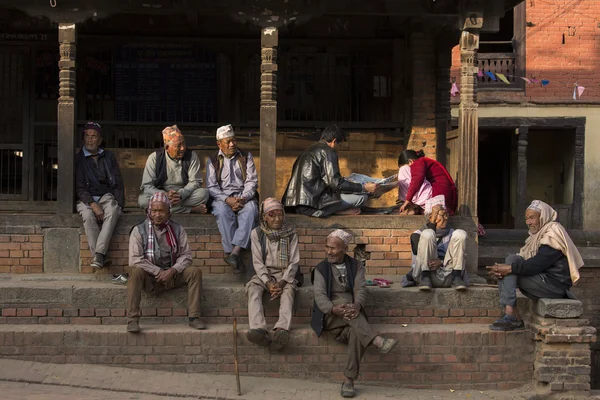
point(348, 390)
point(235, 261)
point(507, 323)
point(458, 283)
point(197, 324)
point(133, 327)
point(280, 339)
point(259, 337)
point(98, 261)
point(425, 283)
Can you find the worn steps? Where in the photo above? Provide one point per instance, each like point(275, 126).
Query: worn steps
point(80, 301)
point(441, 356)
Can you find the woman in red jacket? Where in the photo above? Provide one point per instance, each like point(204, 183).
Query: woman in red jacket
point(422, 168)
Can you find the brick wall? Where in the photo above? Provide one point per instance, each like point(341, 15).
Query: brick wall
point(21, 250)
point(575, 61)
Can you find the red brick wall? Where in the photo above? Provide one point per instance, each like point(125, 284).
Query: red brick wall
point(21, 250)
point(576, 61)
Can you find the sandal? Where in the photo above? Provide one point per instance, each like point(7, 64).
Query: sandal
point(370, 283)
point(382, 283)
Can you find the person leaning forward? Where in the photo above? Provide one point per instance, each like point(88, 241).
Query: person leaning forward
point(161, 258)
point(275, 257)
point(100, 193)
point(545, 267)
point(174, 170)
point(231, 180)
point(340, 291)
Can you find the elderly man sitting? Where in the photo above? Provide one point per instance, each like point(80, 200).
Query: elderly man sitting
point(174, 170)
point(161, 256)
point(438, 251)
point(340, 292)
point(275, 257)
point(231, 180)
point(546, 266)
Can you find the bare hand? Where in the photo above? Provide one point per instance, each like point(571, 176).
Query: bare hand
point(166, 274)
point(370, 187)
point(435, 264)
point(406, 204)
point(352, 311)
point(434, 214)
point(98, 211)
point(174, 197)
point(339, 310)
point(231, 202)
point(499, 271)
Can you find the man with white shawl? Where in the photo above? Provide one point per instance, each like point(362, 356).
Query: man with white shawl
point(438, 251)
point(546, 266)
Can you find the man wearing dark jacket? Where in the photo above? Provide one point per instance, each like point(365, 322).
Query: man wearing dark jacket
point(99, 191)
point(316, 187)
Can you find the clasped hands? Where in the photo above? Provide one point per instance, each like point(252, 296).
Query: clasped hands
point(276, 288)
point(348, 311)
point(165, 275)
point(174, 197)
point(499, 271)
point(236, 203)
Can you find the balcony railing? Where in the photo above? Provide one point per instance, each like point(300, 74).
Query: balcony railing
point(503, 63)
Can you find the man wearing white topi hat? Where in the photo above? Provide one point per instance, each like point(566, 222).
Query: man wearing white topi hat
point(231, 180)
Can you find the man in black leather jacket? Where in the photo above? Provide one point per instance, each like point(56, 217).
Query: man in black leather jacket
point(316, 187)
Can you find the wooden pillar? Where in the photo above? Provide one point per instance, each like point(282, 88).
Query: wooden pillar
point(468, 119)
point(577, 208)
point(521, 177)
point(67, 37)
point(268, 112)
point(442, 96)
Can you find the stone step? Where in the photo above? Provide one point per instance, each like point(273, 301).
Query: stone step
point(100, 302)
point(444, 356)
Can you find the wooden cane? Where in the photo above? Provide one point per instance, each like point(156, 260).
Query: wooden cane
point(235, 357)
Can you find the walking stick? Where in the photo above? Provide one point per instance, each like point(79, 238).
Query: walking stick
point(235, 357)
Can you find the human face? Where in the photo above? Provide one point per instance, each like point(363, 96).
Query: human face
point(228, 146)
point(159, 212)
point(335, 249)
point(532, 219)
point(274, 219)
point(333, 144)
point(442, 219)
point(91, 140)
point(176, 148)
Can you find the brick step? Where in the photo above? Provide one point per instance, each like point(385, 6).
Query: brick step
point(444, 356)
point(99, 302)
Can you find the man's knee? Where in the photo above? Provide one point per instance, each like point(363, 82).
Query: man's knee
point(137, 274)
point(143, 200)
point(254, 290)
point(88, 215)
point(198, 196)
point(511, 258)
point(194, 273)
point(459, 236)
point(220, 209)
point(427, 235)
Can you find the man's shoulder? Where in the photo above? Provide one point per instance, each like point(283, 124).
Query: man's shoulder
point(152, 156)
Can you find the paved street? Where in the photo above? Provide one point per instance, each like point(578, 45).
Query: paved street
point(29, 380)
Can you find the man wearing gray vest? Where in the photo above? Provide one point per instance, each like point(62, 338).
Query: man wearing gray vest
point(161, 258)
point(174, 170)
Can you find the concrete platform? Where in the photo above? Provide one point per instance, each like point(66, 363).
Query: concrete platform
point(450, 356)
point(25, 300)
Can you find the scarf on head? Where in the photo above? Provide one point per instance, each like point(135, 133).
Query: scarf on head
point(552, 234)
point(166, 227)
point(282, 235)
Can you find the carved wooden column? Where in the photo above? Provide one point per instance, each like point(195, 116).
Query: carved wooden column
point(521, 177)
point(442, 96)
point(468, 119)
point(67, 36)
point(268, 112)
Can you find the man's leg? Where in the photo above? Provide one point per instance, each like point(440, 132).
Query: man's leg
point(426, 251)
point(138, 280)
point(227, 223)
point(90, 224)
point(256, 314)
point(198, 198)
point(286, 307)
point(455, 258)
point(112, 212)
point(246, 221)
point(507, 288)
point(143, 200)
point(537, 287)
point(349, 200)
point(192, 277)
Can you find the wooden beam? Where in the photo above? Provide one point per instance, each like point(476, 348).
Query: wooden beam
point(268, 112)
point(579, 173)
point(522, 144)
point(67, 36)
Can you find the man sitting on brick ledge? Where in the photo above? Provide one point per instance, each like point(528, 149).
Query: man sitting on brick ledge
point(340, 291)
point(438, 251)
point(546, 266)
point(100, 192)
point(231, 180)
point(275, 257)
point(174, 170)
point(161, 256)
